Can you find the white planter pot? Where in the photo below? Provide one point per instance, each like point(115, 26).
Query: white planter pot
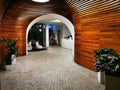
point(29, 45)
point(38, 46)
point(10, 67)
point(101, 77)
point(112, 83)
point(13, 57)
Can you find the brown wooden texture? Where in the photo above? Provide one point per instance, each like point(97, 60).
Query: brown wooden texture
point(4, 4)
point(21, 12)
point(97, 24)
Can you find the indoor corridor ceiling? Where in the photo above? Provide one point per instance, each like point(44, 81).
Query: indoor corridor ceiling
point(28, 10)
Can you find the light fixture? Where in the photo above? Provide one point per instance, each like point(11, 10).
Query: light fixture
point(40, 30)
point(40, 1)
point(55, 20)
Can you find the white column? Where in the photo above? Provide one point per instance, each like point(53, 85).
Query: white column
point(47, 36)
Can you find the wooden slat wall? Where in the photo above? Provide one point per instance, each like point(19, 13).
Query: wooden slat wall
point(97, 24)
point(22, 12)
point(3, 6)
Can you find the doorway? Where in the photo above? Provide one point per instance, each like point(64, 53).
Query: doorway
point(50, 18)
point(37, 37)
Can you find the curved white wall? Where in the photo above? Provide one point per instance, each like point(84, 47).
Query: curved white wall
point(51, 17)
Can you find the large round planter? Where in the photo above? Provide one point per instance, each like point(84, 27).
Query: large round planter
point(112, 83)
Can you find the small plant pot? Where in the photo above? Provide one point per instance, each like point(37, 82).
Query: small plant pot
point(37, 45)
point(13, 57)
point(29, 45)
point(101, 77)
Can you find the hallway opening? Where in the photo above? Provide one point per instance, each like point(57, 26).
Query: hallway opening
point(50, 29)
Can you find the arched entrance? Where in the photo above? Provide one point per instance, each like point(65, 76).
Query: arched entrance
point(52, 17)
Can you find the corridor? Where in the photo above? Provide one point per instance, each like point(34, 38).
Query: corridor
point(52, 69)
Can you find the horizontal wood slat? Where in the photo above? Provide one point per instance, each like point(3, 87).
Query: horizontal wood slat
point(21, 12)
point(97, 24)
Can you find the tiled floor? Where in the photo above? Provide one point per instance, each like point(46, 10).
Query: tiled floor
point(52, 69)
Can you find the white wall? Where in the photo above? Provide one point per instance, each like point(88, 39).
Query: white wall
point(64, 33)
point(65, 42)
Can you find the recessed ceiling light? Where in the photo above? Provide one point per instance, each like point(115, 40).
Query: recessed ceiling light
point(55, 20)
point(40, 1)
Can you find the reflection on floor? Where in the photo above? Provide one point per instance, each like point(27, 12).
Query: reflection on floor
point(52, 69)
point(34, 49)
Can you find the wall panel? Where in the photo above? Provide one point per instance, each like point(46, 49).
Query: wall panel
point(97, 24)
point(4, 4)
point(21, 13)
point(3, 7)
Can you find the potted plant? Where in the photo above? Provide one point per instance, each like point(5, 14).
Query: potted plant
point(12, 50)
point(108, 61)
